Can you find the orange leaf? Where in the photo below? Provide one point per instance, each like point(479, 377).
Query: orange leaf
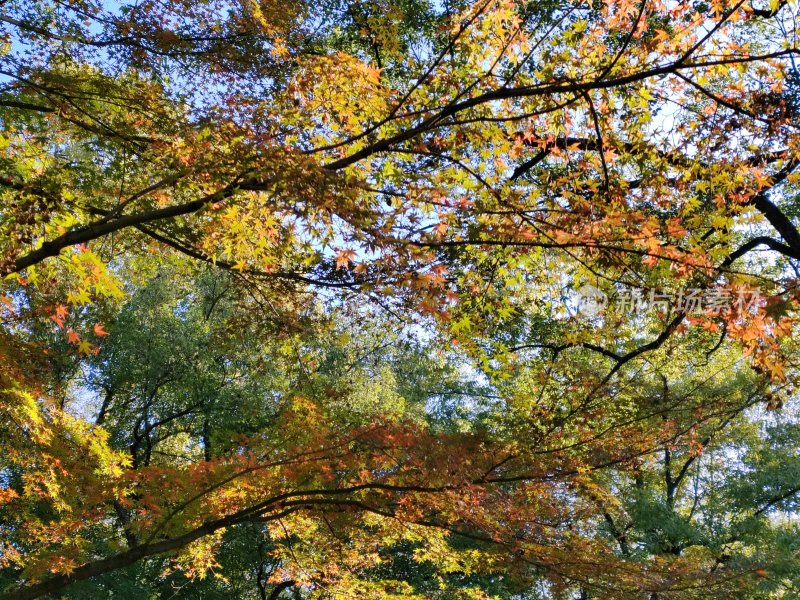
point(344, 258)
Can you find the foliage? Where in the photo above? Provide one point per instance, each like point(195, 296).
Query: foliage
point(288, 300)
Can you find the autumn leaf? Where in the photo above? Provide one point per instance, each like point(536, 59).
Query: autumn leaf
point(344, 258)
point(86, 347)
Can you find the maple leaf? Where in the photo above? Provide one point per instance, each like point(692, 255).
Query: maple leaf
point(99, 331)
point(344, 258)
point(72, 337)
point(660, 36)
point(79, 297)
point(373, 73)
point(650, 261)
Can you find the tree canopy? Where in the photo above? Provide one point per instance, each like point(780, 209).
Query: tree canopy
point(294, 299)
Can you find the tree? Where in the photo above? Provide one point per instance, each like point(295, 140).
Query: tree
point(299, 273)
